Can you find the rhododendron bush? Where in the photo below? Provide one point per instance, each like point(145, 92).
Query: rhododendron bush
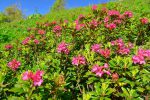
point(98, 56)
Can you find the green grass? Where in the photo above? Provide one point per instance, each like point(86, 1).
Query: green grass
point(16, 30)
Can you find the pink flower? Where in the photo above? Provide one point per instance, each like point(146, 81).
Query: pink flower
point(113, 13)
point(124, 50)
point(144, 20)
point(105, 53)
point(128, 14)
point(36, 41)
point(96, 48)
point(36, 78)
point(81, 17)
point(100, 70)
point(24, 42)
point(79, 26)
point(27, 75)
point(106, 19)
point(41, 32)
point(115, 76)
point(57, 29)
point(93, 23)
point(117, 21)
point(94, 7)
point(119, 42)
point(78, 60)
point(8, 46)
point(14, 64)
point(138, 59)
point(65, 21)
point(110, 26)
point(144, 53)
point(62, 48)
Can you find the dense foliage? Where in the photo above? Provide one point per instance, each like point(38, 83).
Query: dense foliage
point(97, 56)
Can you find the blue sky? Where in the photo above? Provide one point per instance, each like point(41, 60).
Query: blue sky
point(43, 6)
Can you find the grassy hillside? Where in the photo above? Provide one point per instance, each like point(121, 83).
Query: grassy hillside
point(15, 30)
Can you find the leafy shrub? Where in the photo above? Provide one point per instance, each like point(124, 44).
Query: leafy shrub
point(97, 56)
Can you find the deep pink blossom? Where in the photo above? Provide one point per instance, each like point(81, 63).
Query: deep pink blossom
point(94, 7)
point(113, 13)
point(14, 64)
point(57, 29)
point(81, 17)
point(41, 32)
point(93, 23)
point(27, 75)
point(128, 14)
point(115, 76)
point(96, 47)
point(110, 26)
point(36, 78)
point(106, 19)
point(144, 20)
point(119, 42)
point(79, 60)
point(63, 48)
point(26, 41)
point(36, 41)
point(79, 26)
point(100, 70)
point(123, 50)
point(117, 21)
point(138, 59)
point(105, 53)
point(8, 46)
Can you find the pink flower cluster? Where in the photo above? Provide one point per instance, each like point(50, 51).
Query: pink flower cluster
point(79, 60)
point(128, 14)
point(96, 48)
point(57, 29)
point(110, 26)
point(94, 7)
point(113, 13)
point(8, 46)
point(93, 24)
point(122, 48)
point(101, 70)
point(78, 26)
point(26, 41)
point(14, 64)
point(105, 52)
point(36, 78)
point(41, 32)
point(144, 20)
point(36, 41)
point(63, 48)
point(140, 57)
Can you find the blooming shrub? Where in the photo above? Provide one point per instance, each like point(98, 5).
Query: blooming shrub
point(98, 56)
